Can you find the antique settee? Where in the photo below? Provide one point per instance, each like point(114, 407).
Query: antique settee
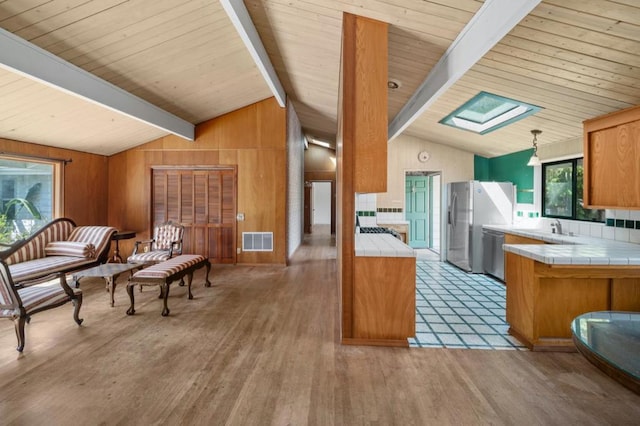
point(58, 247)
point(33, 271)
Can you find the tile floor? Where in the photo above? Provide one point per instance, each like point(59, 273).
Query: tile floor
point(459, 310)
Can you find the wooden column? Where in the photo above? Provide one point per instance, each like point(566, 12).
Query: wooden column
point(362, 138)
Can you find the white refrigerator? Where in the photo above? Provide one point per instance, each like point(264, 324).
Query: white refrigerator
point(470, 205)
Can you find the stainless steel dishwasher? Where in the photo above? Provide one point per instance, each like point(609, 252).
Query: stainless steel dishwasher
point(493, 256)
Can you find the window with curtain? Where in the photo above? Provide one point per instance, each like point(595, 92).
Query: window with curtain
point(562, 189)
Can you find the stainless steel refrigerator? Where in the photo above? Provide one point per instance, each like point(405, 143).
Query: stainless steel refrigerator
point(470, 205)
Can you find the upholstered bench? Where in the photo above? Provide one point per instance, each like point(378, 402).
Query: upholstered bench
point(164, 273)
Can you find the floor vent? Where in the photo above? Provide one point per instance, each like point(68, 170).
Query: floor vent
point(257, 241)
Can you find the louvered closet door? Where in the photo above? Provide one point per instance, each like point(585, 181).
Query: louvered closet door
point(204, 202)
point(222, 215)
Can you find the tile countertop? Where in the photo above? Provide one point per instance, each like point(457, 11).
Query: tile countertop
point(381, 245)
point(571, 250)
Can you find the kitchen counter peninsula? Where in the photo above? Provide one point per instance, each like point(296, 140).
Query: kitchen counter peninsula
point(384, 291)
point(548, 285)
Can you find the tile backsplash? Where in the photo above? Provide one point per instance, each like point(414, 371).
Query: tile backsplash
point(620, 225)
point(369, 214)
point(366, 209)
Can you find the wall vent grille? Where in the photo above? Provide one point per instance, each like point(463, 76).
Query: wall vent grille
point(257, 241)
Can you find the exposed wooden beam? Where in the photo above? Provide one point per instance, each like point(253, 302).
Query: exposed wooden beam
point(241, 20)
point(487, 27)
point(22, 57)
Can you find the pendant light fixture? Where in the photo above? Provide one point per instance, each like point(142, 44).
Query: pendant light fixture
point(534, 160)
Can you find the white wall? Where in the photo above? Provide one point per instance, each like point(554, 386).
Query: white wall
point(453, 164)
point(402, 155)
point(295, 181)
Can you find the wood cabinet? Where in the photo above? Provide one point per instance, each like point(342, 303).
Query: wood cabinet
point(384, 300)
point(519, 239)
point(612, 160)
point(543, 299)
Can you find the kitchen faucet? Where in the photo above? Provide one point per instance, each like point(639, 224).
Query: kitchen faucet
point(556, 227)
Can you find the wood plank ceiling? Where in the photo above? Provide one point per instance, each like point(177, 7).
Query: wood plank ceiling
point(575, 58)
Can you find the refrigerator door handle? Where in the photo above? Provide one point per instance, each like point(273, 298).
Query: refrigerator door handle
point(452, 210)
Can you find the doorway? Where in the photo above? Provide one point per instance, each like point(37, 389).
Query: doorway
point(422, 209)
point(319, 207)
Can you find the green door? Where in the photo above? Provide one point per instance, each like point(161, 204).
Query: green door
point(417, 210)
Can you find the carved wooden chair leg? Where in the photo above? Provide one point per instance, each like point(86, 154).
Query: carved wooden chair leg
point(19, 323)
point(77, 304)
point(189, 279)
point(207, 283)
point(76, 298)
point(165, 290)
point(131, 309)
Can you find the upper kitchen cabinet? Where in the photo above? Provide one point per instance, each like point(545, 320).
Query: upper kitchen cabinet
point(612, 160)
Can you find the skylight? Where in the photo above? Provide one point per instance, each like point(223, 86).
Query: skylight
point(487, 112)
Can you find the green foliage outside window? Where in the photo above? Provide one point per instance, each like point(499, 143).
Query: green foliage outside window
point(563, 192)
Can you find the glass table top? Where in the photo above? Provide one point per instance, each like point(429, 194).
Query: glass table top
point(612, 336)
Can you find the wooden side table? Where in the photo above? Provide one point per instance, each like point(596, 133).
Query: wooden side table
point(120, 235)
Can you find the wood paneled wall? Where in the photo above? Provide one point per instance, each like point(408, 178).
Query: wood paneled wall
point(253, 138)
point(85, 180)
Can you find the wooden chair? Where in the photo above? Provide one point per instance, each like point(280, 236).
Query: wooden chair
point(19, 304)
point(165, 244)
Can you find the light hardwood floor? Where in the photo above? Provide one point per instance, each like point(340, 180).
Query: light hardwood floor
point(261, 347)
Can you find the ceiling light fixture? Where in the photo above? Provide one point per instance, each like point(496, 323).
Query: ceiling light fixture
point(534, 160)
point(319, 142)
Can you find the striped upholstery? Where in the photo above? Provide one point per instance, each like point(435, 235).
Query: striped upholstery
point(58, 230)
point(165, 235)
point(39, 297)
point(36, 268)
point(99, 236)
point(18, 304)
point(70, 248)
point(149, 257)
point(166, 243)
point(29, 261)
point(163, 274)
point(169, 267)
point(7, 298)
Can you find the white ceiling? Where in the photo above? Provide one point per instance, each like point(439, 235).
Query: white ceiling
point(576, 58)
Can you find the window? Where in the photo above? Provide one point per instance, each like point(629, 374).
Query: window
point(562, 192)
point(27, 196)
point(487, 112)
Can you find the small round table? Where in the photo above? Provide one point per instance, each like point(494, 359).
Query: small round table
point(120, 235)
point(611, 341)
